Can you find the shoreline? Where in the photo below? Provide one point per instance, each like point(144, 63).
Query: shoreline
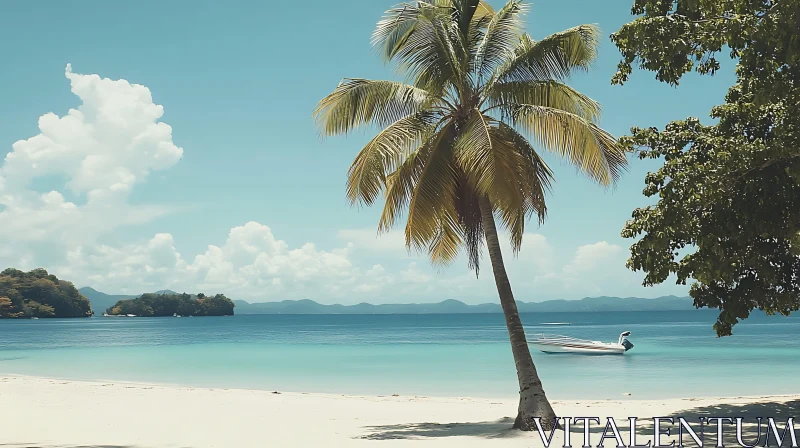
point(153, 385)
point(47, 412)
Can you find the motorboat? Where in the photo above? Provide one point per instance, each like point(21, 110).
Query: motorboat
point(552, 343)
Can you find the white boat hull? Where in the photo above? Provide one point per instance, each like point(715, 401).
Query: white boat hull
point(566, 344)
point(582, 349)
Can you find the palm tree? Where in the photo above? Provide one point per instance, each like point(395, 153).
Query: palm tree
point(454, 152)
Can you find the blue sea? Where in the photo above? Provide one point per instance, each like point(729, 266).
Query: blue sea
point(676, 353)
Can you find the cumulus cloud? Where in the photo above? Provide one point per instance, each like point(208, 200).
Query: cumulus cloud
point(100, 150)
point(251, 263)
point(150, 264)
point(590, 256)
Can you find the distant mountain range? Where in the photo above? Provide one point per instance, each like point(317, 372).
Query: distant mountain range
point(667, 303)
point(101, 301)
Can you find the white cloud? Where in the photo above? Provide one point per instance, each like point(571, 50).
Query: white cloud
point(111, 142)
point(414, 275)
point(589, 257)
point(251, 263)
point(150, 265)
point(374, 280)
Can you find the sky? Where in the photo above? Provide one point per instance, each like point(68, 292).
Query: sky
point(151, 145)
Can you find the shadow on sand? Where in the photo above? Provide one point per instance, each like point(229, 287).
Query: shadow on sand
point(38, 445)
point(488, 430)
point(779, 411)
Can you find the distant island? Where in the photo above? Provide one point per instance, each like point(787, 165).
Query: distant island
point(101, 300)
point(38, 294)
point(171, 304)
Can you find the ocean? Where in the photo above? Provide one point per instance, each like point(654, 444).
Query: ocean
point(676, 353)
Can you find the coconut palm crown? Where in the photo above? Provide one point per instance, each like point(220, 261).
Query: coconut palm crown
point(459, 139)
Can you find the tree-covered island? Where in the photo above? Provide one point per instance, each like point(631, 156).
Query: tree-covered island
point(39, 294)
point(158, 305)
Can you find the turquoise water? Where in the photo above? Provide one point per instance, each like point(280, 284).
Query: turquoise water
point(676, 353)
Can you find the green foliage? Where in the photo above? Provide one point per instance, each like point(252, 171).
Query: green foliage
point(728, 211)
point(36, 309)
point(7, 308)
point(39, 294)
point(457, 133)
point(159, 305)
point(672, 37)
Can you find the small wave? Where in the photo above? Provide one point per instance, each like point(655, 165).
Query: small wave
point(555, 323)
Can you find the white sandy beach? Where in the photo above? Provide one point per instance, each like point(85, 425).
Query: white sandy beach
point(39, 412)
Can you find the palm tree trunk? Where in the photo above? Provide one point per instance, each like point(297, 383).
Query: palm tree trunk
point(532, 400)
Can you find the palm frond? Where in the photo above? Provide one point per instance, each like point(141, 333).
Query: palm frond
point(435, 55)
point(426, 42)
point(477, 27)
point(534, 179)
point(505, 96)
point(447, 239)
point(554, 57)
point(399, 22)
point(473, 151)
point(468, 209)
point(591, 149)
point(536, 170)
point(483, 11)
point(465, 11)
point(382, 155)
point(502, 34)
point(393, 29)
point(512, 190)
point(500, 164)
point(433, 192)
point(495, 168)
point(361, 101)
point(400, 184)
